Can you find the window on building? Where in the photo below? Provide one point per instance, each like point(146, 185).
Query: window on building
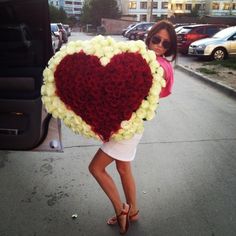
point(226, 6)
point(143, 5)
point(68, 9)
point(179, 6)
point(68, 2)
point(234, 6)
point(163, 16)
point(143, 17)
point(155, 18)
point(77, 3)
point(164, 5)
point(197, 6)
point(77, 9)
point(155, 5)
point(188, 7)
point(132, 5)
point(215, 6)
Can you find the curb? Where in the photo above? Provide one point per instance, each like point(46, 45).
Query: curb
point(218, 85)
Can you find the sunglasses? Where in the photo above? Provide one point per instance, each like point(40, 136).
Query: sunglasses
point(157, 40)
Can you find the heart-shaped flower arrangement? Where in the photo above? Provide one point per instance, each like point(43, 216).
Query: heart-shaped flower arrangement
point(102, 88)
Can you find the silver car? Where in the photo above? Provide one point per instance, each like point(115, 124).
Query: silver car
point(219, 47)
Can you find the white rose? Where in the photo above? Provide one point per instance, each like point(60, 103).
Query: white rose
point(141, 113)
point(104, 61)
point(150, 115)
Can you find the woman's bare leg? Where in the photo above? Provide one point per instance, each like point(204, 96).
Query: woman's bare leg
point(128, 183)
point(97, 168)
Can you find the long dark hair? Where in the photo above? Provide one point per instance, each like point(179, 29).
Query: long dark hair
point(164, 24)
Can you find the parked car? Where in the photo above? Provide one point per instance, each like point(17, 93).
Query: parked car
point(56, 32)
point(56, 44)
point(63, 31)
point(68, 29)
point(127, 28)
point(142, 35)
point(131, 34)
point(219, 47)
point(189, 34)
point(25, 48)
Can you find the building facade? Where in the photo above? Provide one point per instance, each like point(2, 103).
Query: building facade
point(221, 8)
point(71, 7)
point(146, 10)
point(151, 10)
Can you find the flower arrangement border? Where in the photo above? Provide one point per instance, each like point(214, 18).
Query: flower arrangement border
point(104, 48)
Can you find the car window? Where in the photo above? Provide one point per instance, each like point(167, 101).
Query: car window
point(54, 28)
point(233, 37)
point(199, 30)
point(227, 32)
point(140, 27)
point(185, 30)
point(211, 30)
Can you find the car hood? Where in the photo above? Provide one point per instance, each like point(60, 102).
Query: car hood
point(206, 41)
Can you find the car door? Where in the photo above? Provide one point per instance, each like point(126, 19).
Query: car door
point(25, 48)
point(232, 41)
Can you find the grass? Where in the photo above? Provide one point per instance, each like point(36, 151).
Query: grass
point(229, 63)
point(206, 71)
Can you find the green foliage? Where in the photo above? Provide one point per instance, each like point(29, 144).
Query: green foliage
point(57, 15)
point(86, 17)
point(229, 63)
point(94, 10)
point(194, 12)
point(206, 71)
point(72, 21)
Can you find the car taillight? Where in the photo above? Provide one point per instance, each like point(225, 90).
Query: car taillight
point(192, 37)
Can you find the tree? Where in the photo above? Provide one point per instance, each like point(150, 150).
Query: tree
point(57, 15)
point(94, 10)
point(194, 12)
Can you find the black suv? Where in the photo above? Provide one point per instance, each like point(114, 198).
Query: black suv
point(25, 48)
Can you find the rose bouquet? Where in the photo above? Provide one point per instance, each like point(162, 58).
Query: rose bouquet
point(102, 88)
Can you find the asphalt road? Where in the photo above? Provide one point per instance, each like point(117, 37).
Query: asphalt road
point(184, 168)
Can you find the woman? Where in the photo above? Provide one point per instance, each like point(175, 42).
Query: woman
point(162, 40)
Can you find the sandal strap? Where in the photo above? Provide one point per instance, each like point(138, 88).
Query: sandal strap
point(135, 214)
point(123, 212)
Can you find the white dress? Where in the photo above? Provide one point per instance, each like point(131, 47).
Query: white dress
point(123, 150)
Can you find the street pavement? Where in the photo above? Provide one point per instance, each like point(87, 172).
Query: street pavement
point(184, 169)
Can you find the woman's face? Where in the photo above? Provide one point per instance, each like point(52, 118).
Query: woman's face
point(160, 42)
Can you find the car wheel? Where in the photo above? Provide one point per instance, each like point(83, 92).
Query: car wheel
point(219, 54)
point(132, 37)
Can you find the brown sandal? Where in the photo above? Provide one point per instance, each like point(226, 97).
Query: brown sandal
point(132, 218)
point(125, 212)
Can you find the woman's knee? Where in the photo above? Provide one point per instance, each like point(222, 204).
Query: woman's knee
point(92, 168)
point(99, 163)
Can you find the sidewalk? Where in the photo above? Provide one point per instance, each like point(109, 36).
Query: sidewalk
point(226, 85)
point(184, 170)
